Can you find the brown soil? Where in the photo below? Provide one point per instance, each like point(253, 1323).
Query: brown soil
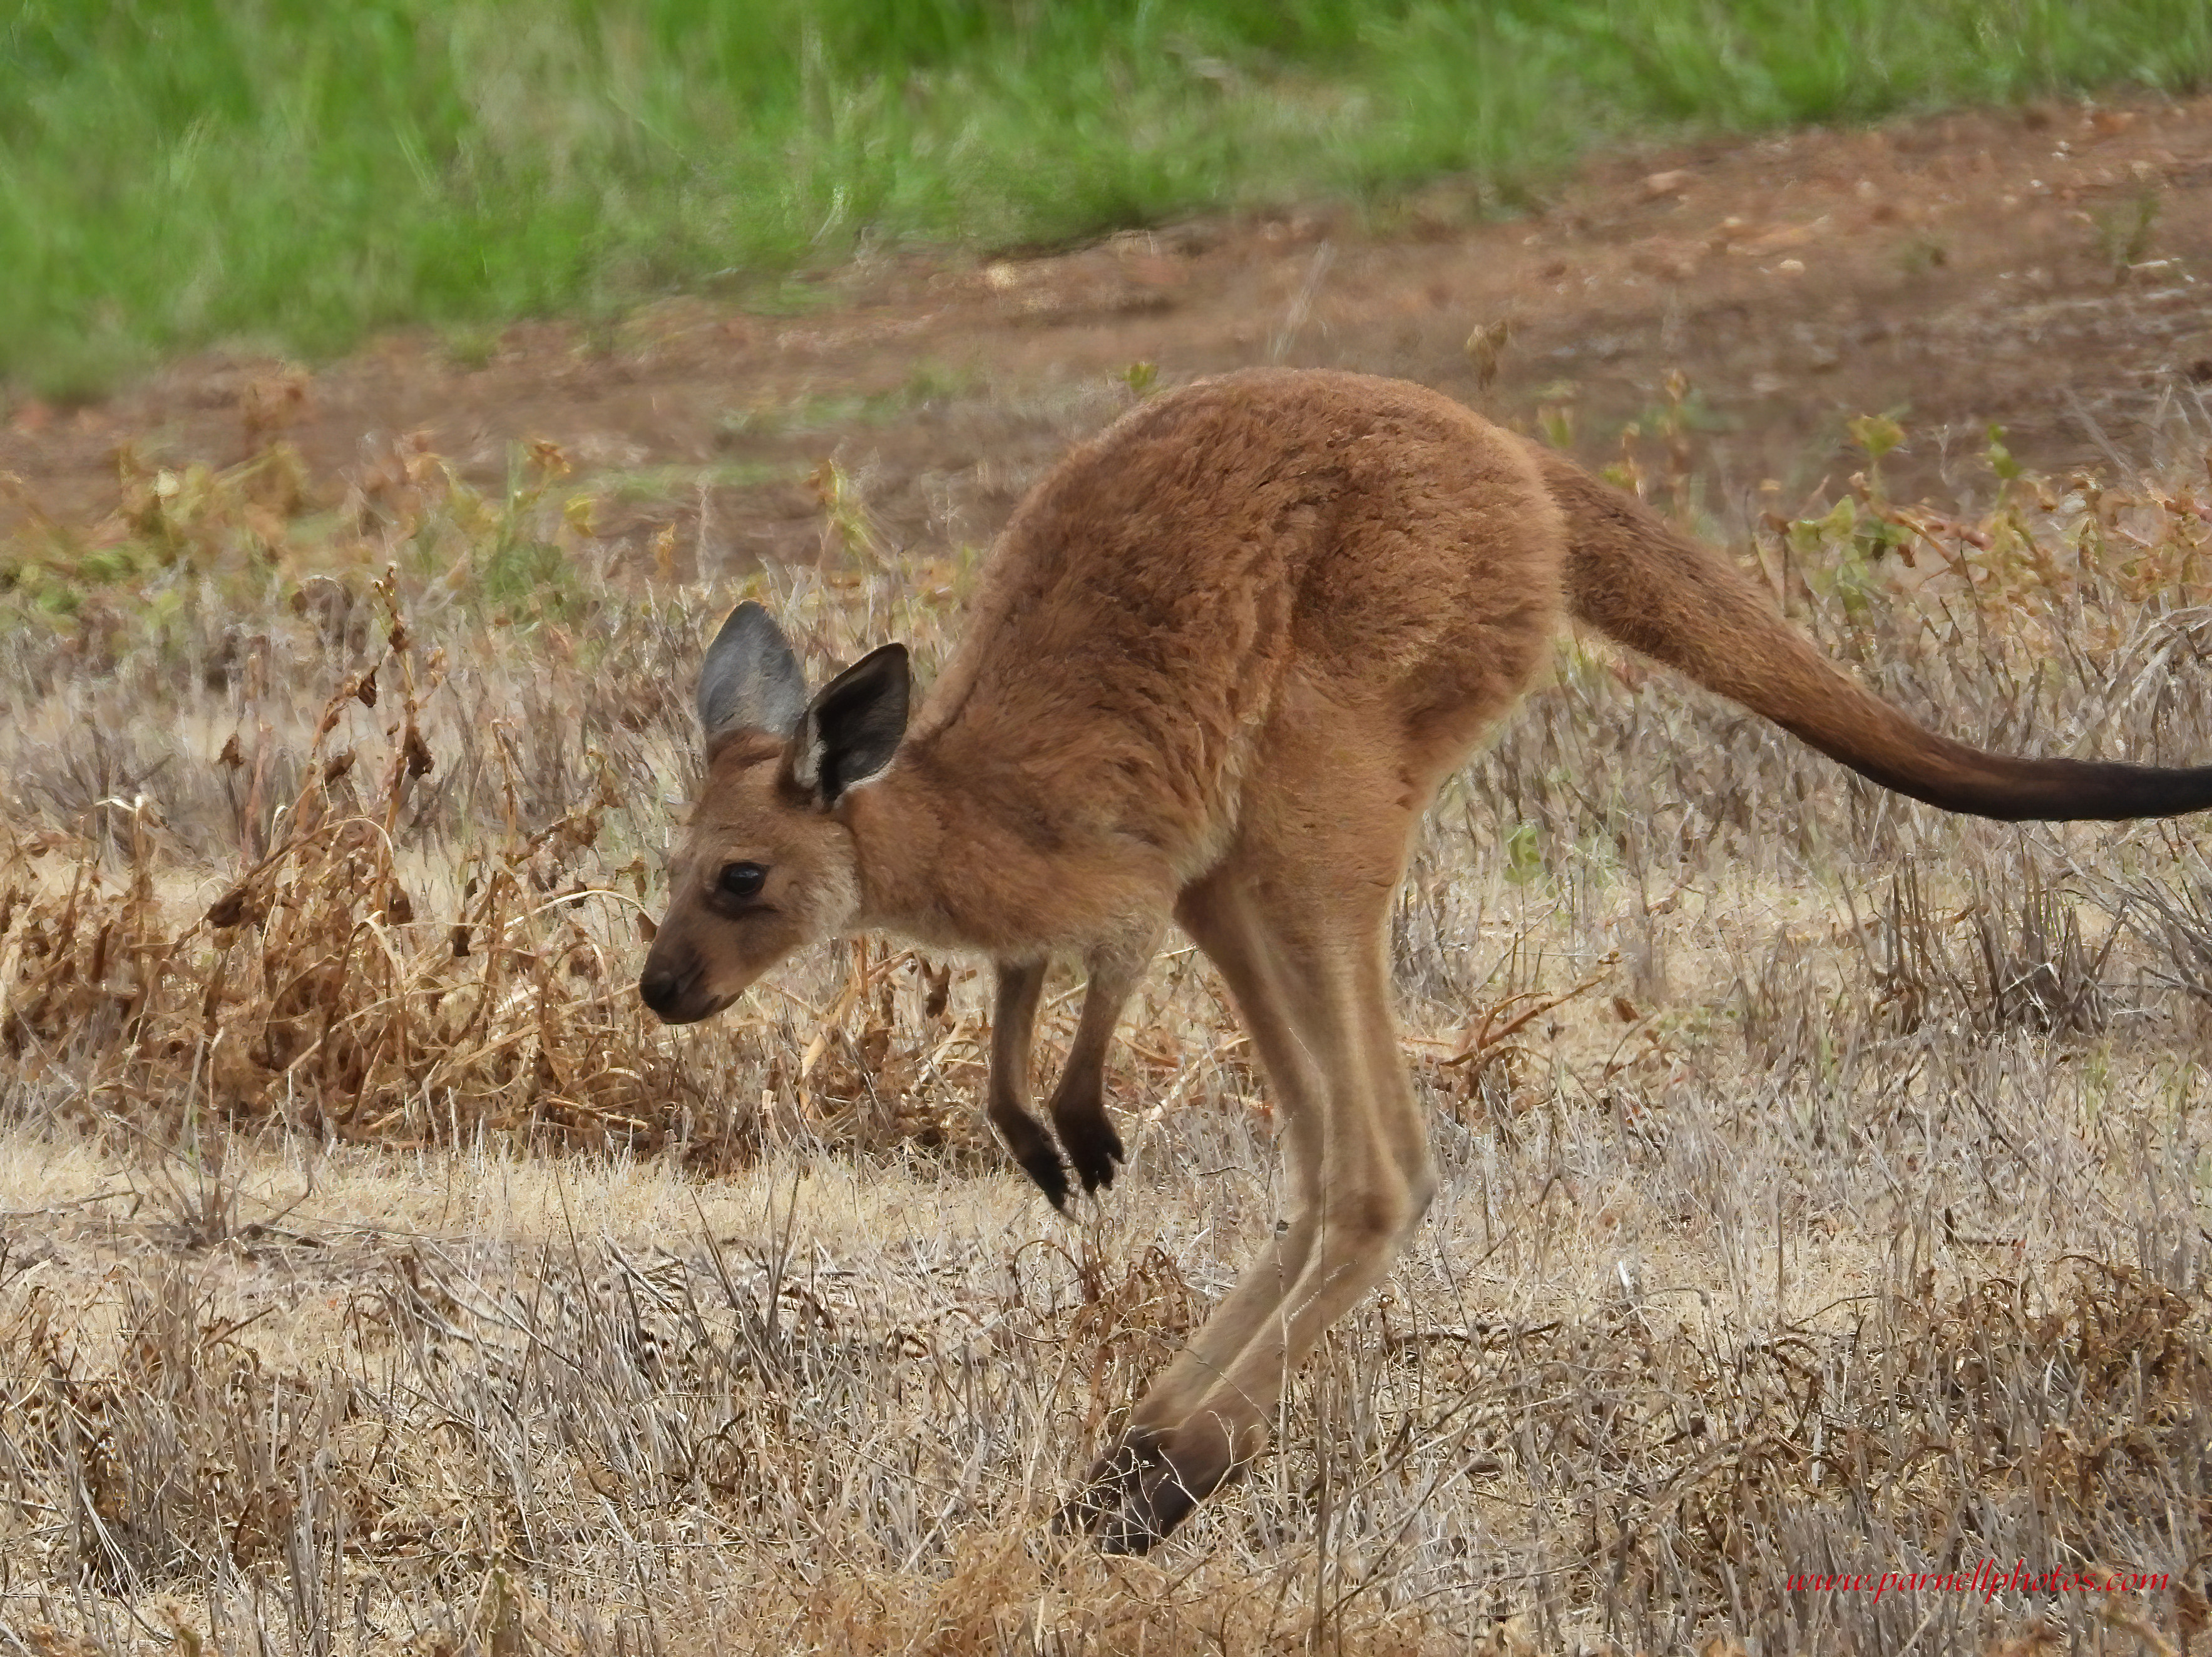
point(2036, 269)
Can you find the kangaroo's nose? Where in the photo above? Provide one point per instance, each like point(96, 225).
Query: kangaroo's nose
point(661, 990)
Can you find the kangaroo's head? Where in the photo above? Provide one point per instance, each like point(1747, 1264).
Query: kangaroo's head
point(767, 865)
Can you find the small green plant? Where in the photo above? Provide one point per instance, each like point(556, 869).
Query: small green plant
point(522, 575)
point(928, 382)
point(528, 579)
point(2123, 232)
point(1874, 435)
point(848, 526)
point(472, 347)
point(1837, 551)
point(1999, 457)
point(1524, 854)
point(1920, 254)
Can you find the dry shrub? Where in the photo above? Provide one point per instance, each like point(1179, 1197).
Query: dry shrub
point(1916, 1437)
point(332, 987)
point(1123, 1331)
point(840, 1467)
point(188, 1450)
point(819, 1444)
point(2028, 968)
point(1004, 1594)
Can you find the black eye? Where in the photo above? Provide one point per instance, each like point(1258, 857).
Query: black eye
point(741, 879)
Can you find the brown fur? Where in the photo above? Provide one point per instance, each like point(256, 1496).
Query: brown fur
point(1222, 658)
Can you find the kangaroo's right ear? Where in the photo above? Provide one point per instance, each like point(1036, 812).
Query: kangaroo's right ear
point(750, 680)
point(854, 725)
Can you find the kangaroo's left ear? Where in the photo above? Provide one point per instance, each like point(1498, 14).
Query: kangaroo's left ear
point(750, 680)
point(852, 727)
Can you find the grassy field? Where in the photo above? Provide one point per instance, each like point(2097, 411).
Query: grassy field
point(1823, 1177)
point(293, 175)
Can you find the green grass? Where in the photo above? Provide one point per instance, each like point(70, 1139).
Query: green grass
point(296, 172)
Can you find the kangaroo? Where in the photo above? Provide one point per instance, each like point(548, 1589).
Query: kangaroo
point(1221, 660)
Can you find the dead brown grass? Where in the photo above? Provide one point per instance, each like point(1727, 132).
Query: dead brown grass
point(1824, 1180)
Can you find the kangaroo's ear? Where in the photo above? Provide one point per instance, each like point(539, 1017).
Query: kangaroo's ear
point(854, 725)
point(750, 681)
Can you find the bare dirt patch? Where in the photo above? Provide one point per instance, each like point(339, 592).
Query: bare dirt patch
point(2037, 268)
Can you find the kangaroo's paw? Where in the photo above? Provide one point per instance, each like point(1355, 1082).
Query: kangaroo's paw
point(1043, 1165)
point(1094, 1147)
point(1146, 1485)
point(1030, 1145)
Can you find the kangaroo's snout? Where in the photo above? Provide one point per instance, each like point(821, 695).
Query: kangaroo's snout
point(673, 994)
point(661, 991)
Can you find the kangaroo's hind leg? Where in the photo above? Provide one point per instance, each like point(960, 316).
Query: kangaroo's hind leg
point(1296, 920)
point(1013, 1023)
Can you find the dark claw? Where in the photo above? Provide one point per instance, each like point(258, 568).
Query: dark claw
point(1044, 1166)
point(1094, 1147)
point(1032, 1147)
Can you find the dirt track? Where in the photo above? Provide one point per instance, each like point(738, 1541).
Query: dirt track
point(2039, 269)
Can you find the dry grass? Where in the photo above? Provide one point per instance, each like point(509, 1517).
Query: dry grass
point(1824, 1180)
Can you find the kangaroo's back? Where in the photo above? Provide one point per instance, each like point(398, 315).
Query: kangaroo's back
point(1151, 603)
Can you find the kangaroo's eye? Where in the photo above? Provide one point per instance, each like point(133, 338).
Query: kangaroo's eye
point(741, 879)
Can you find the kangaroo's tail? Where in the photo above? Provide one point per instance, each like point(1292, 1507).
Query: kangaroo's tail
point(1660, 593)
